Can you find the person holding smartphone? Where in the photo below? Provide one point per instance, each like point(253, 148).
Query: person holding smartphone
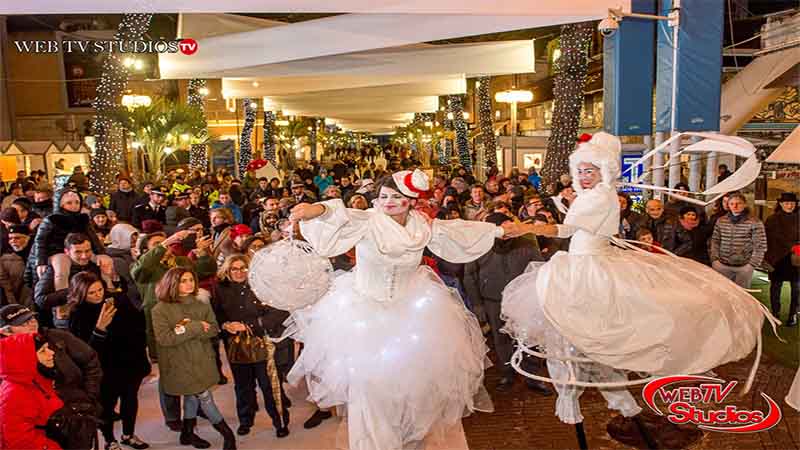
point(115, 329)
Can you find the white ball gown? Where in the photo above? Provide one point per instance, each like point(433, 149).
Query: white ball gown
point(623, 309)
point(389, 341)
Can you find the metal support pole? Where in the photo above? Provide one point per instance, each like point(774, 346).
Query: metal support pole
point(513, 136)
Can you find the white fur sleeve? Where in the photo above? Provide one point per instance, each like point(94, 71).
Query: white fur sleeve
point(336, 231)
point(462, 241)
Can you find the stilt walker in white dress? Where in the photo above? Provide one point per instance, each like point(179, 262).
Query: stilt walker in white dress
point(600, 310)
point(390, 342)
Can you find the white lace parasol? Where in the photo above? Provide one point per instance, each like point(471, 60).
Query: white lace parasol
point(289, 275)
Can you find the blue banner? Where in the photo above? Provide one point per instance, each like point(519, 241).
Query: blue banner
point(699, 67)
point(628, 74)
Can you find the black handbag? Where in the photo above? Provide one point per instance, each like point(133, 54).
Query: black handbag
point(72, 424)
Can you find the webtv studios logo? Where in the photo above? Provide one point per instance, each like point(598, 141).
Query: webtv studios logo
point(692, 405)
point(186, 46)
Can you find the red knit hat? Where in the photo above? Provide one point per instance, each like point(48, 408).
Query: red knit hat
point(240, 230)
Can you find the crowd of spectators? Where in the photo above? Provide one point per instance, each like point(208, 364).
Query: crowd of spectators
point(94, 290)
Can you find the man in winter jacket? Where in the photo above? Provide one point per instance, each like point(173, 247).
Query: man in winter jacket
point(12, 267)
point(658, 223)
point(739, 243)
point(484, 281)
point(79, 251)
point(124, 200)
point(78, 367)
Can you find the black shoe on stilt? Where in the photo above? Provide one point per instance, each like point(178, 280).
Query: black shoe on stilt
point(647, 430)
point(792, 320)
point(317, 418)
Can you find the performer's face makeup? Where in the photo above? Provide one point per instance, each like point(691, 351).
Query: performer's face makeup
point(588, 175)
point(393, 202)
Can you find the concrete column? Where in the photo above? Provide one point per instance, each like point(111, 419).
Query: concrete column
point(695, 167)
point(674, 163)
point(658, 161)
point(711, 169)
point(647, 165)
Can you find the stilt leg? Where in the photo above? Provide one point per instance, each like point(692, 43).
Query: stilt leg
point(581, 436)
point(651, 444)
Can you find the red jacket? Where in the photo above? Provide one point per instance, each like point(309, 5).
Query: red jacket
point(27, 399)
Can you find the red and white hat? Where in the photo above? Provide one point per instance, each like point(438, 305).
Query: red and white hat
point(411, 184)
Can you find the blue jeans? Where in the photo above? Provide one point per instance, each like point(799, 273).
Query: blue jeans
point(191, 403)
point(455, 283)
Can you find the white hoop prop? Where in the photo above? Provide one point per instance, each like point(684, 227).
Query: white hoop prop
point(570, 361)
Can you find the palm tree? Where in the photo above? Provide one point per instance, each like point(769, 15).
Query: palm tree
point(161, 128)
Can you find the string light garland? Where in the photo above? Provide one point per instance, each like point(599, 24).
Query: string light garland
point(246, 140)
point(198, 154)
point(312, 138)
point(568, 86)
point(456, 107)
point(485, 120)
point(109, 147)
point(269, 137)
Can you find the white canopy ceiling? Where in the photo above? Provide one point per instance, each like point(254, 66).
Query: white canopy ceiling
point(369, 70)
point(231, 53)
point(371, 94)
point(506, 7)
point(472, 60)
point(198, 26)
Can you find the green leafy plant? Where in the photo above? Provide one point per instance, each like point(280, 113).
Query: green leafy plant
point(162, 128)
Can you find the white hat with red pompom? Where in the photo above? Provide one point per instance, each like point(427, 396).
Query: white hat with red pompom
point(411, 184)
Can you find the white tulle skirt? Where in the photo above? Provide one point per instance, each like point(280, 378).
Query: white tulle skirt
point(404, 370)
point(632, 310)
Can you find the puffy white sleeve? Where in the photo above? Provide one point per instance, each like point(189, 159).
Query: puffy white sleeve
point(591, 212)
point(336, 231)
point(461, 241)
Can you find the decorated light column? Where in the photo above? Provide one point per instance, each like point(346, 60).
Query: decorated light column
point(246, 140)
point(568, 99)
point(456, 108)
point(485, 120)
point(109, 142)
point(269, 137)
point(198, 154)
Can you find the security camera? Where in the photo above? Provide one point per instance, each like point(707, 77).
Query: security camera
point(608, 26)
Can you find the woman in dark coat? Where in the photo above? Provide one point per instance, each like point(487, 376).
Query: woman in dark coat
point(237, 309)
point(783, 232)
point(115, 329)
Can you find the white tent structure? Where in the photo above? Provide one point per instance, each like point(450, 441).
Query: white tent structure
point(369, 69)
point(789, 150)
point(596, 8)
